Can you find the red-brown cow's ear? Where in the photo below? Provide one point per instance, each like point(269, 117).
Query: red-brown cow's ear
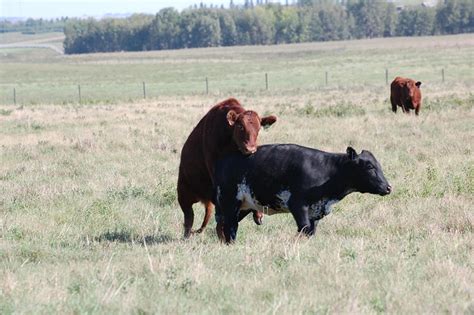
point(418, 84)
point(268, 121)
point(231, 117)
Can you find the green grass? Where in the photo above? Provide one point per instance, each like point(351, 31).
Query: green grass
point(89, 221)
point(41, 76)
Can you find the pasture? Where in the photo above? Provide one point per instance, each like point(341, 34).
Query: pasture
point(89, 221)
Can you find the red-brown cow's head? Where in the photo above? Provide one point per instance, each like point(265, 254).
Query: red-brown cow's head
point(414, 93)
point(246, 126)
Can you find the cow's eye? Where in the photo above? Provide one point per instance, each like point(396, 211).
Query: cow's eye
point(369, 166)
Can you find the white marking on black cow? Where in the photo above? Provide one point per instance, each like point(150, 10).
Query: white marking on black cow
point(244, 194)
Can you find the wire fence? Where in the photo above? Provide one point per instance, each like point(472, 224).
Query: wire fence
point(108, 92)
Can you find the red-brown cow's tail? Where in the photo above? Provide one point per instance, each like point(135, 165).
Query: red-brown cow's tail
point(207, 216)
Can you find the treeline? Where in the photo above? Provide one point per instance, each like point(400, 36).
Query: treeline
point(33, 26)
point(262, 24)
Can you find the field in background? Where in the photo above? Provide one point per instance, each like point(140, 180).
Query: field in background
point(30, 47)
point(20, 38)
point(43, 76)
point(89, 220)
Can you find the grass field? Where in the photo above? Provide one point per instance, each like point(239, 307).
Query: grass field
point(42, 76)
point(89, 221)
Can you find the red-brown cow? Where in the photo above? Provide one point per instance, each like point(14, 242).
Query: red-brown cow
point(226, 128)
point(405, 93)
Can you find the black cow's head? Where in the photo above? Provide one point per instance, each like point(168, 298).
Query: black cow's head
point(366, 174)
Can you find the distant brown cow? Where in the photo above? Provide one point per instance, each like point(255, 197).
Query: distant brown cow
point(226, 128)
point(405, 93)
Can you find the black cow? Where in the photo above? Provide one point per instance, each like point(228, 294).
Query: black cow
point(290, 178)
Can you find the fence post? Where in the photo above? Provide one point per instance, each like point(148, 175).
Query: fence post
point(79, 90)
point(266, 81)
point(442, 75)
point(14, 96)
point(326, 78)
point(144, 90)
point(207, 86)
point(386, 76)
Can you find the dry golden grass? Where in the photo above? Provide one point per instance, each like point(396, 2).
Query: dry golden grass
point(83, 186)
point(89, 221)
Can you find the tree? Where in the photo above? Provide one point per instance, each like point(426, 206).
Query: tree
point(416, 22)
point(455, 16)
point(228, 29)
point(199, 28)
point(287, 25)
point(369, 17)
point(311, 20)
point(138, 32)
point(390, 20)
point(424, 21)
point(254, 27)
point(330, 22)
point(164, 31)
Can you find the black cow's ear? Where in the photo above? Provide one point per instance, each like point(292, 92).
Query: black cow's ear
point(231, 117)
point(268, 121)
point(418, 84)
point(351, 153)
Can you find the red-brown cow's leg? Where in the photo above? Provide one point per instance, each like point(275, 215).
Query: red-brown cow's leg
point(188, 220)
point(417, 110)
point(394, 104)
point(404, 109)
point(186, 200)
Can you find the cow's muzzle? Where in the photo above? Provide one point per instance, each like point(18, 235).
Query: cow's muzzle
point(387, 190)
point(249, 150)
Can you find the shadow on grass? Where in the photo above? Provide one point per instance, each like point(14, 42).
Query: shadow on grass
point(128, 237)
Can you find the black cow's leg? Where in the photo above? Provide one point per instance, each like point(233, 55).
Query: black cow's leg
point(220, 222)
point(230, 231)
point(230, 228)
point(313, 223)
point(231, 222)
point(300, 214)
